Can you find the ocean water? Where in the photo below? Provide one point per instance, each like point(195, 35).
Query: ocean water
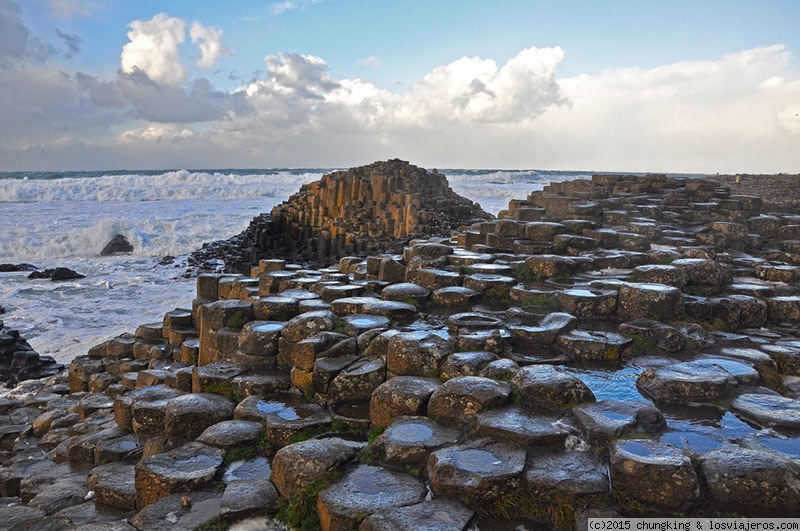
point(52, 219)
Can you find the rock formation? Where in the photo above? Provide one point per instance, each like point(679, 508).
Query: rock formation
point(18, 360)
point(119, 244)
point(355, 212)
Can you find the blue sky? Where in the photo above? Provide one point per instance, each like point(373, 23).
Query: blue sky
point(701, 86)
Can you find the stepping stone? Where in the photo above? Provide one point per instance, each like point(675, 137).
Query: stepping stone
point(481, 471)
point(516, 426)
point(333, 292)
point(703, 276)
point(285, 425)
point(502, 369)
point(401, 395)
point(298, 465)
point(260, 384)
point(357, 381)
point(92, 402)
point(308, 324)
point(551, 265)
point(685, 383)
point(751, 482)
point(20, 517)
point(357, 324)
point(473, 321)
point(744, 372)
point(351, 305)
point(433, 279)
point(171, 513)
point(254, 468)
point(188, 415)
point(322, 345)
point(465, 364)
point(593, 345)
point(402, 312)
point(460, 399)
point(565, 473)
point(644, 331)
point(668, 275)
point(245, 498)
point(455, 297)
point(184, 469)
point(786, 357)
point(549, 389)
point(213, 377)
point(749, 355)
point(144, 410)
point(232, 434)
point(655, 301)
point(781, 310)
point(492, 286)
point(127, 448)
point(409, 441)
point(653, 473)
point(406, 292)
point(275, 308)
point(113, 485)
point(612, 418)
point(588, 302)
point(82, 449)
point(260, 338)
point(256, 408)
point(770, 411)
point(547, 332)
point(416, 353)
point(431, 515)
point(12, 474)
point(363, 491)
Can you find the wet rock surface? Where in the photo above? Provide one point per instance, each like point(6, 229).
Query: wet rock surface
point(625, 345)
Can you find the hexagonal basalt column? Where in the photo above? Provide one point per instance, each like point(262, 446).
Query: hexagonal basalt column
point(653, 473)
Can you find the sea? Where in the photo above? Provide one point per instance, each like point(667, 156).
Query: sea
point(55, 219)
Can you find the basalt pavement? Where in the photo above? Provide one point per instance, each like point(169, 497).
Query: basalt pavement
point(621, 346)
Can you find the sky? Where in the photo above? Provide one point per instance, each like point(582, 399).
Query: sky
point(708, 86)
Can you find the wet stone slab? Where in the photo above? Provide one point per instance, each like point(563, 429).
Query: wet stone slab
point(364, 491)
point(431, 515)
point(409, 441)
point(655, 473)
point(481, 470)
point(686, 383)
point(769, 410)
point(516, 426)
point(183, 469)
point(612, 418)
point(571, 473)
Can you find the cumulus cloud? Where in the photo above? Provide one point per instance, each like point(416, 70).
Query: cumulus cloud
point(209, 40)
point(153, 49)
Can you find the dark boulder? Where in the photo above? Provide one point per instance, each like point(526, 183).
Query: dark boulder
point(119, 244)
point(56, 274)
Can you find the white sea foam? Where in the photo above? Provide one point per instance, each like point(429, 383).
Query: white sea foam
point(167, 186)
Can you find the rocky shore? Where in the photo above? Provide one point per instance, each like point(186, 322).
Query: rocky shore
point(621, 346)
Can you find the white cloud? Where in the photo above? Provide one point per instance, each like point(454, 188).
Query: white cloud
point(209, 41)
point(371, 61)
point(279, 8)
point(73, 8)
point(476, 90)
point(153, 49)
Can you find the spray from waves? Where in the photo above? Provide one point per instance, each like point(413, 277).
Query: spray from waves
point(171, 185)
